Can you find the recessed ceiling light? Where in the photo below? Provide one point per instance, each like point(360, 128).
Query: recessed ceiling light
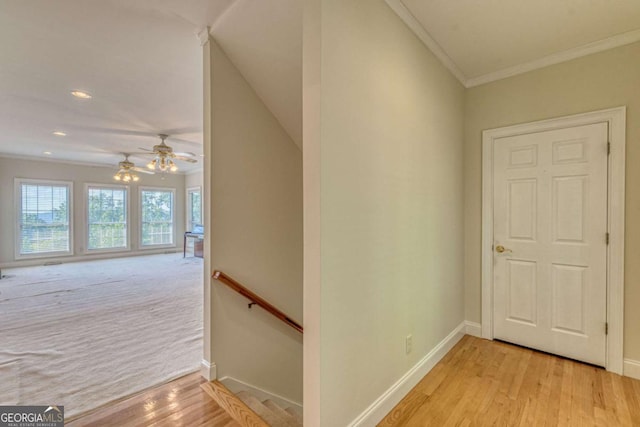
point(59, 133)
point(48, 153)
point(80, 94)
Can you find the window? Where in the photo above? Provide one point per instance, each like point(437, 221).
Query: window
point(107, 217)
point(157, 217)
point(44, 217)
point(194, 207)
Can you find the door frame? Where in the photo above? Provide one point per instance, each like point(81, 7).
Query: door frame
point(616, 118)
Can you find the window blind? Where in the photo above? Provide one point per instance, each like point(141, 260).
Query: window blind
point(44, 218)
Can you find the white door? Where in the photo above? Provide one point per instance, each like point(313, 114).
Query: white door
point(550, 249)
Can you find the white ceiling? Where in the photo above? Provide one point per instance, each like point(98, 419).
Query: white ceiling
point(263, 38)
point(142, 62)
point(491, 39)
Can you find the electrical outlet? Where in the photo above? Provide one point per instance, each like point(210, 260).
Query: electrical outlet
point(408, 344)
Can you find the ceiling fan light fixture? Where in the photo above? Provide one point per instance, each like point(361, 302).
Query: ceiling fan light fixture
point(126, 176)
point(162, 164)
point(125, 171)
point(163, 160)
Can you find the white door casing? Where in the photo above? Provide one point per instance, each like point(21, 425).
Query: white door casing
point(550, 212)
point(569, 269)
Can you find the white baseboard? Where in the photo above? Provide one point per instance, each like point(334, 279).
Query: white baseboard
point(236, 386)
point(208, 370)
point(632, 368)
point(31, 262)
point(390, 398)
point(473, 328)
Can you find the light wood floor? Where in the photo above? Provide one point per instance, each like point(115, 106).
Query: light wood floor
point(482, 383)
point(478, 383)
point(179, 403)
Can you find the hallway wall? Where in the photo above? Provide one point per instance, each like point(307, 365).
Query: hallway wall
point(383, 168)
point(253, 173)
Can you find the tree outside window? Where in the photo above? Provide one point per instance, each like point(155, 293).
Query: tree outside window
point(157, 217)
point(195, 207)
point(107, 217)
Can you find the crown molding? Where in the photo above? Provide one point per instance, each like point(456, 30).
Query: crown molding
point(567, 55)
point(556, 58)
point(204, 35)
point(55, 160)
point(223, 16)
point(112, 166)
point(403, 12)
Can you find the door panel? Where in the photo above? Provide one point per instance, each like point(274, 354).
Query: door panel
point(568, 208)
point(569, 311)
point(522, 209)
point(522, 289)
point(550, 213)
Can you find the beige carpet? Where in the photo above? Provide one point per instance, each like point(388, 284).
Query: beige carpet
point(83, 334)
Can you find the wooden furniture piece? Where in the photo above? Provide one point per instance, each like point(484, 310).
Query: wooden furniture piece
point(198, 248)
point(198, 234)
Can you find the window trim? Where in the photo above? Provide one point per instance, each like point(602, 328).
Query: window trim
point(17, 212)
point(142, 246)
point(89, 185)
point(190, 190)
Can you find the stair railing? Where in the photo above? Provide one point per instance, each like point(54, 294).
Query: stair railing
point(255, 299)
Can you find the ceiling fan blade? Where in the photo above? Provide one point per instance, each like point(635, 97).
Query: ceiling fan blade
point(141, 170)
point(184, 141)
point(186, 159)
point(145, 149)
point(184, 154)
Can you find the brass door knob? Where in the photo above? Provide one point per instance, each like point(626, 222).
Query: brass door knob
point(500, 249)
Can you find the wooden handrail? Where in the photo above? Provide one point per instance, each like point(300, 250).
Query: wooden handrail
point(255, 299)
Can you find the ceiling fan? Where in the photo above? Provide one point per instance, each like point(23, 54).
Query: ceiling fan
point(164, 156)
point(126, 170)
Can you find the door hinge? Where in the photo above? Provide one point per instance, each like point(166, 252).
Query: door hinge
point(607, 238)
point(608, 148)
point(606, 328)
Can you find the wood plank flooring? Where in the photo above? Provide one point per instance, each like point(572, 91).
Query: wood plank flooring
point(178, 403)
point(478, 383)
point(235, 407)
point(489, 383)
